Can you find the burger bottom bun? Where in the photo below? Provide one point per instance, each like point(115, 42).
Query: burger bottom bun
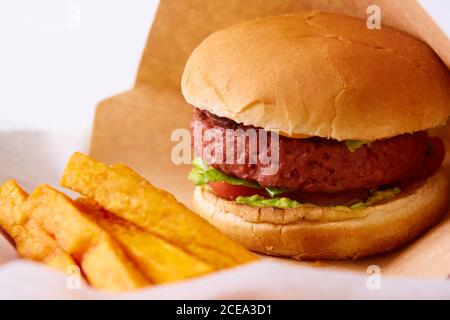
point(302, 234)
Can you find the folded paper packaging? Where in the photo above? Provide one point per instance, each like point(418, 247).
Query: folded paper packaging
point(135, 127)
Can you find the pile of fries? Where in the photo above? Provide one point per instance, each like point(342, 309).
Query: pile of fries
point(123, 233)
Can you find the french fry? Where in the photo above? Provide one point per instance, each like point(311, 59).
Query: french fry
point(157, 259)
point(101, 258)
point(32, 242)
point(12, 217)
point(126, 170)
point(154, 210)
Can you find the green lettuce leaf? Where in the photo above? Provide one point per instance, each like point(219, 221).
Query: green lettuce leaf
point(375, 197)
point(201, 174)
point(285, 203)
point(276, 191)
point(382, 195)
point(353, 145)
point(258, 201)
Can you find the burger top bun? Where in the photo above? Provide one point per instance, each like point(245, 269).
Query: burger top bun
point(319, 74)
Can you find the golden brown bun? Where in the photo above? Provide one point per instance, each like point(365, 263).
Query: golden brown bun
point(302, 233)
point(319, 74)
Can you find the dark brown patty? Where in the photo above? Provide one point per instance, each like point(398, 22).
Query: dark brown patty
point(322, 165)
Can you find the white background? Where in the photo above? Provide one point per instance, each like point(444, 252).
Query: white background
point(52, 74)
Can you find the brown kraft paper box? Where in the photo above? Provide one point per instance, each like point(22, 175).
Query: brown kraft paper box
point(135, 127)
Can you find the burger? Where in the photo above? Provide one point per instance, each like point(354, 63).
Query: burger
point(343, 111)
